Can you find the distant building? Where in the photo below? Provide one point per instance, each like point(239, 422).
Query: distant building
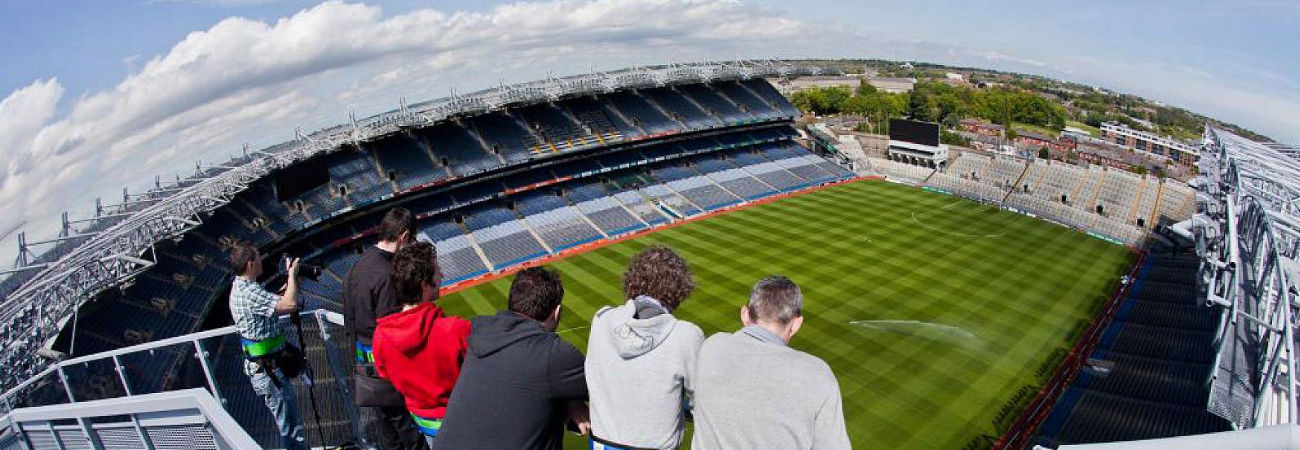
point(798, 84)
point(981, 127)
point(1076, 133)
point(1106, 154)
point(893, 85)
point(1149, 143)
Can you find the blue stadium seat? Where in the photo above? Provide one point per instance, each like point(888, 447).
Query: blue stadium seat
point(463, 153)
point(718, 106)
point(747, 100)
point(769, 93)
point(505, 136)
point(404, 158)
point(642, 113)
point(684, 110)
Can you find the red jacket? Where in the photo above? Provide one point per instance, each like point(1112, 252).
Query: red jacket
point(420, 351)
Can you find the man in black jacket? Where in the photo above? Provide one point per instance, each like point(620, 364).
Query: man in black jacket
point(519, 381)
point(368, 295)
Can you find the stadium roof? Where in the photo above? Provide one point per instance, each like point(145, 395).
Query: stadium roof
point(1249, 235)
point(33, 314)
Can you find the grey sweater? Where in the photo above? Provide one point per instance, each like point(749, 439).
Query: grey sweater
point(754, 392)
point(639, 370)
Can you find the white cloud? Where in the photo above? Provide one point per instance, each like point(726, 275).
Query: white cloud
point(244, 80)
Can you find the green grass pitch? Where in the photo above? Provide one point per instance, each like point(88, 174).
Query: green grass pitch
point(932, 310)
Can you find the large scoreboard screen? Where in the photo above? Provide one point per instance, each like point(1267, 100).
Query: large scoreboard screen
point(917, 132)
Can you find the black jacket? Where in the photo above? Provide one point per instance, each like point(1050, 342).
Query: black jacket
point(513, 387)
point(368, 295)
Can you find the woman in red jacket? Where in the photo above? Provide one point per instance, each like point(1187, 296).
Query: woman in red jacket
point(419, 349)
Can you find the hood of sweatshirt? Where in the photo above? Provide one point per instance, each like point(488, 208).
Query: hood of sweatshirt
point(634, 337)
point(409, 330)
point(490, 334)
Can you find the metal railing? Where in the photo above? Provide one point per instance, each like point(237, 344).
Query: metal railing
point(211, 360)
point(185, 419)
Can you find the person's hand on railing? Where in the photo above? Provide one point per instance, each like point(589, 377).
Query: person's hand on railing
point(579, 417)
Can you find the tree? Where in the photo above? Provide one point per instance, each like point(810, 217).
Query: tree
point(917, 104)
point(866, 89)
point(1044, 154)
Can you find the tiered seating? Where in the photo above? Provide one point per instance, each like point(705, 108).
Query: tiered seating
point(897, 170)
point(836, 172)
point(966, 187)
point(739, 182)
point(456, 254)
point(504, 136)
point(562, 228)
point(747, 101)
point(1144, 214)
point(1161, 347)
point(1118, 191)
point(969, 166)
point(775, 175)
point(664, 195)
point(504, 238)
point(1088, 188)
point(1177, 200)
point(701, 191)
point(360, 179)
point(403, 157)
point(638, 205)
point(769, 93)
point(1003, 172)
point(803, 169)
point(715, 104)
point(598, 116)
point(686, 112)
point(641, 113)
point(461, 152)
point(556, 132)
point(609, 215)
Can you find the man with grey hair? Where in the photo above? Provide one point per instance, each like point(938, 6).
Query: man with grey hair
point(754, 391)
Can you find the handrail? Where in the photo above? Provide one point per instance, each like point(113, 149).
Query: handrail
point(143, 409)
point(8, 395)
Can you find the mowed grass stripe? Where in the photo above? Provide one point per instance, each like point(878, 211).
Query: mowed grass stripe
point(961, 301)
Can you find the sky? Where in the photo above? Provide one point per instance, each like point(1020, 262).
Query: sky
point(98, 96)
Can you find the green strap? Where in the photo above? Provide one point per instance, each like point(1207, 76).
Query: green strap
point(429, 427)
point(257, 349)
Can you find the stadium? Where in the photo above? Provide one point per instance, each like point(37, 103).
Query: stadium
point(991, 302)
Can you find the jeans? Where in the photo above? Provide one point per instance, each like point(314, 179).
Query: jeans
point(283, 406)
point(391, 428)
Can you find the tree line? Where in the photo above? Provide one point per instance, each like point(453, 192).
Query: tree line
point(933, 102)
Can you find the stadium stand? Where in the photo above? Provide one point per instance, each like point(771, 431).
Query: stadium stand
point(1108, 202)
point(681, 108)
point(458, 149)
point(642, 114)
point(401, 160)
point(1146, 378)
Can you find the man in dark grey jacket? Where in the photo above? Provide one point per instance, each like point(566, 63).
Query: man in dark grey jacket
point(368, 295)
point(519, 381)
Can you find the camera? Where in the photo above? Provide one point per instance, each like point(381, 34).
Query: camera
point(307, 271)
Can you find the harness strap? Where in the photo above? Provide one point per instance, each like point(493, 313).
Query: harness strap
point(365, 354)
point(265, 347)
point(596, 443)
point(429, 427)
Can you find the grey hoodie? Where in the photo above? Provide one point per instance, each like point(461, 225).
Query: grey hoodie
point(639, 372)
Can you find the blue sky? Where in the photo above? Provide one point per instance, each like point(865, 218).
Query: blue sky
point(99, 95)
